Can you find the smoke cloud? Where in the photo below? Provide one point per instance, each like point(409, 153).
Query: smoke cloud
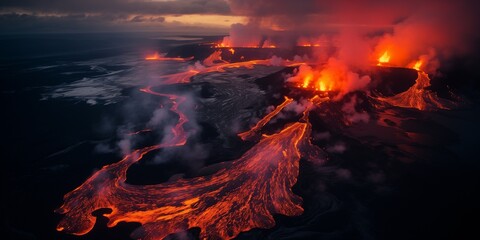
point(432, 31)
point(351, 114)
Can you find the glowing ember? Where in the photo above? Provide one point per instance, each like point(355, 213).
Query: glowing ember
point(221, 45)
point(227, 43)
point(417, 65)
point(309, 45)
point(312, 42)
point(231, 50)
point(385, 58)
point(154, 56)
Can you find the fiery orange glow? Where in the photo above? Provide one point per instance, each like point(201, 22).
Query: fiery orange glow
point(309, 45)
point(244, 46)
point(312, 41)
point(214, 58)
point(418, 64)
point(306, 80)
point(233, 199)
point(385, 58)
point(222, 205)
point(254, 130)
point(268, 44)
point(154, 56)
point(241, 197)
point(417, 96)
point(227, 43)
point(327, 79)
point(158, 57)
point(184, 77)
point(222, 45)
point(231, 50)
point(229, 46)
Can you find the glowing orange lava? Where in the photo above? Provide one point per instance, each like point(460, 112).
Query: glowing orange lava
point(312, 41)
point(184, 77)
point(154, 56)
point(214, 58)
point(418, 97)
point(309, 45)
point(227, 43)
point(232, 200)
point(158, 57)
point(327, 79)
point(254, 130)
point(385, 58)
point(241, 197)
point(418, 65)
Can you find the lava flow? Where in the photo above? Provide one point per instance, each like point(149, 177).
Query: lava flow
point(100, 190)
point(213, 64)
point(417, 96)
point(236, 199)
point(254, 130)
point(158, 57)
point(233, 200)
point(244, 196)
point(214, 58)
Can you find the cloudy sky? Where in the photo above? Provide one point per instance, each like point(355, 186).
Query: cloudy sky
point(116, 15)
point(216, 16)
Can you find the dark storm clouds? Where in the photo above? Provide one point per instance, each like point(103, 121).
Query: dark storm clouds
point(120, 6)
point(95, 15)
point(303, 16)
point(312, 15)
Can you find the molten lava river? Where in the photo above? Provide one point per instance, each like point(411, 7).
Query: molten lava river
point(243, 196)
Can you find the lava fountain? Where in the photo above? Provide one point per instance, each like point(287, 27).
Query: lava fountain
point(384, 59)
